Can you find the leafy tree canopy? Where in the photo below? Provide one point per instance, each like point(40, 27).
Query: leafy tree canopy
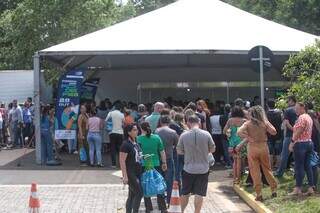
point(300, 14)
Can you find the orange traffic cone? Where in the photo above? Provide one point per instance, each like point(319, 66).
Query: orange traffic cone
point(175, 205)
point(34, 202)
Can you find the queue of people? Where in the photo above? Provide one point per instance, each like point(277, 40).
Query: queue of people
point(179, 136)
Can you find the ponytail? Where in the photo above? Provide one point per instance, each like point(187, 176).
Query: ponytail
point(145, 126)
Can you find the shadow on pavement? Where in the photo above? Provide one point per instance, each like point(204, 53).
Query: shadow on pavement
point(16, 160)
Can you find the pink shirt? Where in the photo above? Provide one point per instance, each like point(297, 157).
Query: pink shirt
point(94, 124)
point(305, 122)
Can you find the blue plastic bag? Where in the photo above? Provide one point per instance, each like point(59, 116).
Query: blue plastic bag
point(109, 124)
point(83, 155)
point(153, 183)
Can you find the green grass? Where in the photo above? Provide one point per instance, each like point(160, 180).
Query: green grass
point(284, 203)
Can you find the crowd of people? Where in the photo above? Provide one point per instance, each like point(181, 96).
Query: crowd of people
point(179, 136)
point(16, 124)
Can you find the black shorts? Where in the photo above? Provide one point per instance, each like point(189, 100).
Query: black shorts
point(196, 184)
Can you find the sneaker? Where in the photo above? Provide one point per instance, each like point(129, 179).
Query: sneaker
point(100, 165)
point(75, 152)
point(228, 167)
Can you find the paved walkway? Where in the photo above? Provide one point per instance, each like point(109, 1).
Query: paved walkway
point(101, 198)
point(72, 189)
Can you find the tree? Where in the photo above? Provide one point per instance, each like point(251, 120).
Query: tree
point(144, 6)
point(303, 69)
point(300, 14)
point(37, 24)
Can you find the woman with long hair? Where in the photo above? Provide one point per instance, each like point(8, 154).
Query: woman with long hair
point(46, 137)
point(82, 134)
point(230, 129)
point(130, 164)
point(202, 108)
point(255, 132)
point(151, 144)
point(94, 127)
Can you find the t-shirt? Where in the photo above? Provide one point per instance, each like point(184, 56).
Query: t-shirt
point(290, 114)
point(133, 161)
point(94, 124)
point(153, 120)
point(169, 139)
point(102, 113)
point(173, 125)
point(275, 118)
point(27, 118)
point(305, 122)
point(117, 121)
point(201, 117)
point(195, 144)
point(215, 125)
point(151, 146)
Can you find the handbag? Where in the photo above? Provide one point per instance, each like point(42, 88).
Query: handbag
point(153, 183)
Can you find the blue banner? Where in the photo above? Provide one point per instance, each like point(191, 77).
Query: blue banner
point(89, 89)
point(67, 104)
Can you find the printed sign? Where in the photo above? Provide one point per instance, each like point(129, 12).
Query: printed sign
point(67, 105)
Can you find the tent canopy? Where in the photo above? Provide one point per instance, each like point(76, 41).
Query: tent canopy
point(188, 27)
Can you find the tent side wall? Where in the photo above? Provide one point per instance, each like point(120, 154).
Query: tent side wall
point(123, 84)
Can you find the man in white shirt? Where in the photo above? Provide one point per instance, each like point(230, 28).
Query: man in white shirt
point(116, 134)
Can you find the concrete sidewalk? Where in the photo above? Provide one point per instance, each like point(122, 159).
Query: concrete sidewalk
point(74, 189)
point(101, 198)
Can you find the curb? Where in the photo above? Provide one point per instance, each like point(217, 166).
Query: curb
point(258, 207)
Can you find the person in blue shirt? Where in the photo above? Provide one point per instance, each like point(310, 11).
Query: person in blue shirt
point(27, 122)
point(46, 139)
point(153, 119)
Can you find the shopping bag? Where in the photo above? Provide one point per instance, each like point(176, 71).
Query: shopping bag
point(153, 183)
point(83, 155)
point(109, 124)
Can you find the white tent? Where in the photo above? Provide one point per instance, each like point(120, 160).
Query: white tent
point(199, 39)
point(198, 26)
point(202, 44)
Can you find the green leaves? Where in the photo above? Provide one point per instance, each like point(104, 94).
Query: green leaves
point(300, 14)
point(304, 71)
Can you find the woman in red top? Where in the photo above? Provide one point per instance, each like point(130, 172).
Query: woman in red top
point(302, 147)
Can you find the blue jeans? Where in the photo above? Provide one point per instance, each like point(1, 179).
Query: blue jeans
point(284, 156)
point(17, 134)
point(274, 147)
point(169, 178)
point(302, 162)
point(46, 146)
point(95, 142)
point(226, 156)
point(179, 167)
point(72, 145)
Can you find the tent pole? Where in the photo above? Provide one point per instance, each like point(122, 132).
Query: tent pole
point(36, 97)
